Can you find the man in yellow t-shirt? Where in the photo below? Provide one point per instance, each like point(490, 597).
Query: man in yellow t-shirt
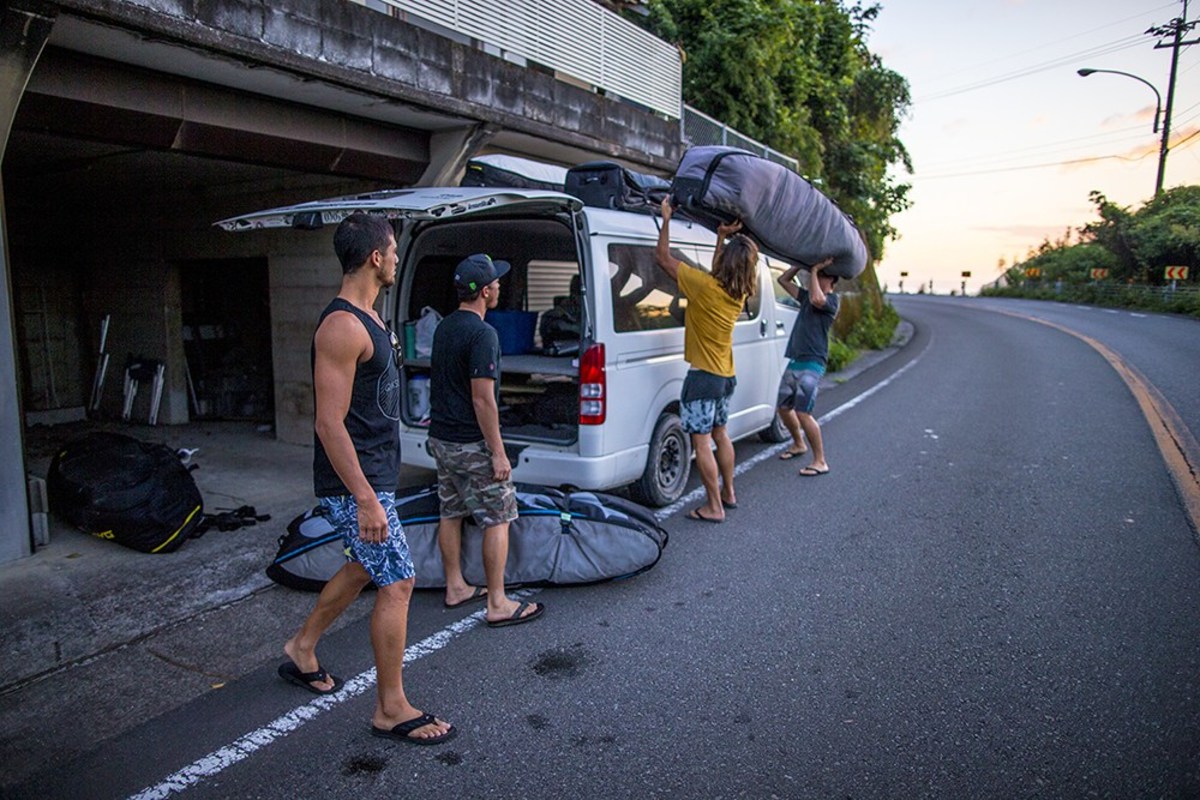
point(715, 301)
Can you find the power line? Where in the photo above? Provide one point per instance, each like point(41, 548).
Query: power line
point(1060, 41)
point(1107, 137)
point(1095, 52)
point(1068, 162)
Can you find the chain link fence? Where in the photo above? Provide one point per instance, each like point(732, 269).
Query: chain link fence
point(701, 129)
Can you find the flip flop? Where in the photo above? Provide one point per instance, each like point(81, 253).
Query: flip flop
point(480, 593)
point(812, 472)
point(788, 455)
point(401, 732)
point(696, 515)
point(728, 505)
point(292, 674)
point(516, 618)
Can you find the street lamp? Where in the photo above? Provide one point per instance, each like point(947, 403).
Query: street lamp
point(1162, 148)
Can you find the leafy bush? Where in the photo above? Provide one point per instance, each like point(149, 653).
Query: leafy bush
point(875, 329)
point(840, 355)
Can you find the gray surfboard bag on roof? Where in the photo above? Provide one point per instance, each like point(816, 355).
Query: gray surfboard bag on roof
point(783, 212)
point(558, 538)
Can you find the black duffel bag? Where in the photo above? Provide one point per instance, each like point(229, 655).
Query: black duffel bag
point(135, 493)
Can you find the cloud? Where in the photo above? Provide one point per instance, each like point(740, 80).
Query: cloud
point(1139, 152)
point(1142, 115)
point(1023, 232)
point(956, 125)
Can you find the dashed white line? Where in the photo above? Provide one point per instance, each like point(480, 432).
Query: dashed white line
point(245, 746)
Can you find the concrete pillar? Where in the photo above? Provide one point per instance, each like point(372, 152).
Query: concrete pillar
point(24, 27)
point(449, 152)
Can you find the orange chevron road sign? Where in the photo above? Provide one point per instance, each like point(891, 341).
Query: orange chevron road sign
point(1099, 273)
point(1175, 274)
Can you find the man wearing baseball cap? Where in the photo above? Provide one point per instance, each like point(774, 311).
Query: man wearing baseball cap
point(474, 474)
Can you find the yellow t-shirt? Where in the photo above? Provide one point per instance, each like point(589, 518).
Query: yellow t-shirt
point(708, 329)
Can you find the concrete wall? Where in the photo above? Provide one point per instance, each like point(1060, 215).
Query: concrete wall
point(361, 49)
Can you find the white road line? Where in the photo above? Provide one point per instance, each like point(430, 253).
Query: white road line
point(770, 452)
point(245, 746)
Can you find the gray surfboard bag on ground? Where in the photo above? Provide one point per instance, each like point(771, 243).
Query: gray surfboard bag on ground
point(559, 538)
point(783, 212)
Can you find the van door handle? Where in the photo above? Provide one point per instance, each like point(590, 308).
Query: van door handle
point(762, 328)
point(779, 325)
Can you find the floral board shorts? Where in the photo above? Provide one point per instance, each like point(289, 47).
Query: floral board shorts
point(466, 486)
point(704, 401)
point(701, 416)
point(386, 562)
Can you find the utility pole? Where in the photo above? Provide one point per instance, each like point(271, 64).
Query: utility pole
point(1176, 28)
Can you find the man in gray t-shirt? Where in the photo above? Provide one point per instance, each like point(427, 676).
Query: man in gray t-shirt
point(807, 353)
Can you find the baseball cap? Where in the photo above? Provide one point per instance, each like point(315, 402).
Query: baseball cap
point(477, 271)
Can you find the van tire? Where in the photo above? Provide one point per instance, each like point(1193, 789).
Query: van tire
point(776, 432)
point(668, 464)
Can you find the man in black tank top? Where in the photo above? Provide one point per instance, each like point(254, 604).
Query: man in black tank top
point(356, 385)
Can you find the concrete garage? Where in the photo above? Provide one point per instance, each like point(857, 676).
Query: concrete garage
point(135, 126)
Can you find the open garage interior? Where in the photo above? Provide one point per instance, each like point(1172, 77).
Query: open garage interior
point(113, 177)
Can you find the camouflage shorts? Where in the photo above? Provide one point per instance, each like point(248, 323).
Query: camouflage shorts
point(466, 486)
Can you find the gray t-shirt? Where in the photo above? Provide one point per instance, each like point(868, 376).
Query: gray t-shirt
point(810, 335)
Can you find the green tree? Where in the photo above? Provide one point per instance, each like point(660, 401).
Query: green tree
point(798, 76)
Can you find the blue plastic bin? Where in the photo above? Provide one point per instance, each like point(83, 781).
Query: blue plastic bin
point(515, 329)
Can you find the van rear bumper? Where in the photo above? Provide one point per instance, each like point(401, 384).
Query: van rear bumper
point(549, 466)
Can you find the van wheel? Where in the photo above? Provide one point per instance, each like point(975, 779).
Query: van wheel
point(776, 432)
point(668, 464)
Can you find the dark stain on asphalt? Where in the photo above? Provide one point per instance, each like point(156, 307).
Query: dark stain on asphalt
point(561, 662)
point(363, 765)
point(450, 758)
point(537, 722)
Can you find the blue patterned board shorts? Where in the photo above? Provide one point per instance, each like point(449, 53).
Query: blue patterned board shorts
point(701, 416)
point(798, 390)
point(387, 562)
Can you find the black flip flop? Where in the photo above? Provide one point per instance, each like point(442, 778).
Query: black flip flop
point(696, 515)
point(516, 618)
point(811, 472)
point(401, 732)
point(292, 674)
point(480, 593)
point(788, 455)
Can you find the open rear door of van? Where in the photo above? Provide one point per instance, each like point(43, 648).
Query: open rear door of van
point(431, 203)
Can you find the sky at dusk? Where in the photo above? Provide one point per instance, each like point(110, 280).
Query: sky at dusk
point(1007, 141)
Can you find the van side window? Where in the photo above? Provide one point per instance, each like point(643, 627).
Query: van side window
point(643, 297)
point(781, 296)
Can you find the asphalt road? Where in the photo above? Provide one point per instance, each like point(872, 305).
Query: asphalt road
point(992, 594)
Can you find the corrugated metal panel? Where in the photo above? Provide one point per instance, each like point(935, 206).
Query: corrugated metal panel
point(545, 281)
point(576, 37)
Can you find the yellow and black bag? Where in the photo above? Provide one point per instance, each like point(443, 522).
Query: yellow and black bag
point(135, 493)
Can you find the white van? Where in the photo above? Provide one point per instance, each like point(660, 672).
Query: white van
point(596, 410)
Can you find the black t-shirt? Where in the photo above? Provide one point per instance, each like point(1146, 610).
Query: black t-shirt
point(810, 335)
point(464, 347)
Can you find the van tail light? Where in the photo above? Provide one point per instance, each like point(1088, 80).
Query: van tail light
point(593, 388)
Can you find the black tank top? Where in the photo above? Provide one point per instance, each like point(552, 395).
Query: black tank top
point(374, 417)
